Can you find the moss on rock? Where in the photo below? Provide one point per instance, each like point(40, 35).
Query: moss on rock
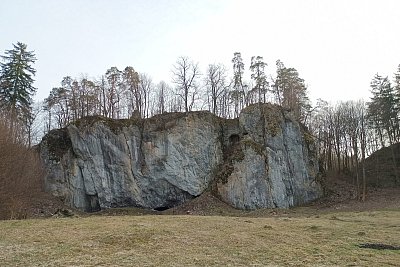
point(58, 143)
point(273, 119)
point(115, 125)
point(258, 148)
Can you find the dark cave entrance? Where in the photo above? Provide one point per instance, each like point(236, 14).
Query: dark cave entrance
point(234, 139)
point(93, 203)
point(162, 208)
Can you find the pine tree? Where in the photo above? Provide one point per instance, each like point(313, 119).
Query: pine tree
point(16, 81)
point(397, 80)
point(291, 91)
point(383, 109)
point(237, 94)
point(258, 75)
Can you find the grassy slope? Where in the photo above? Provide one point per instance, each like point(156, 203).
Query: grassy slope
point(323, 240)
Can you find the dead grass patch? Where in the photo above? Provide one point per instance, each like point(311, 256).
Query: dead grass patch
point(202, 241)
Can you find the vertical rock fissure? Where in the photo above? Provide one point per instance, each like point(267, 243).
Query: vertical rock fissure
point(83, 187)
point(91, 200)
point(285, 139)
point(67, 177)
point(262, 111)
point(288, 183)
point(141, 155)
point(128, 147)
point(213, 187)
point(267, 176)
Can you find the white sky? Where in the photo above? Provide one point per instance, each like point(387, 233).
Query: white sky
point(337, 46)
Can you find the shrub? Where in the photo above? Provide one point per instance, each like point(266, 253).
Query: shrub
point(21, 175)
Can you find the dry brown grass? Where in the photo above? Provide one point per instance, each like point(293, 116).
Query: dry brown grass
point(322, 240)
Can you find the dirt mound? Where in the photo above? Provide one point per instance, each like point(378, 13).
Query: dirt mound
point(342, 196)
point(383, 167)
point(205, 204)
point(21, 207)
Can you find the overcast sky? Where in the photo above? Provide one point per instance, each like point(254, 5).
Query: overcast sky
point(337, 46)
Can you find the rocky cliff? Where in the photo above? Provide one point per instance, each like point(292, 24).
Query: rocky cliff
point(263, 159)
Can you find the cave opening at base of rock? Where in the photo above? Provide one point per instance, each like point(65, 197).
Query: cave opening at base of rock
point(93, 203)
point(162, 208)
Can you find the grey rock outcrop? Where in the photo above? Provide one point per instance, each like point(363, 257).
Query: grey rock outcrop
point(275, 163)
point(262, 159)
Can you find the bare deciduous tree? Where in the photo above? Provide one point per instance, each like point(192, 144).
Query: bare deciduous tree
point(215, 81)
point(185, 74)
point(131, 83)
point(113, 77)
point(145, 87)
point(161, 98)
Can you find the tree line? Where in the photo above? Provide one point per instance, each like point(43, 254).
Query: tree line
point(344, 133)
point(119, 93)
point(349, 131)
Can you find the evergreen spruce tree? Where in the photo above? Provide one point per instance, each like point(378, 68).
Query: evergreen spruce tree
point(16, 82)
point(383, 109)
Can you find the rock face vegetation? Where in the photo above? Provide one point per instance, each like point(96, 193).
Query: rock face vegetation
point(260, 160)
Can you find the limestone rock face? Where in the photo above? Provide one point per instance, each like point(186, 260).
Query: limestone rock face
point(277, 165)
point(262, 159)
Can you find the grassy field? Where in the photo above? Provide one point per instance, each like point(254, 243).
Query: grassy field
point(320, 240)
